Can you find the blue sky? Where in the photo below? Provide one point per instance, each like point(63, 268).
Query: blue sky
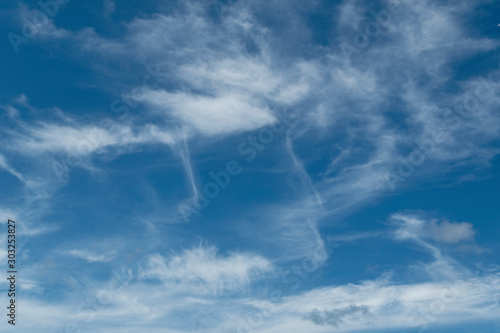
point(252, 166)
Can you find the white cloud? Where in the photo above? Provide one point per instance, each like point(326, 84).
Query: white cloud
point(30, 285)
point(39, 24)
point(370, 305)
point(217, 86)
point(201, 269)
point(380, 305)
point(228, 90)
point(7, 213)
point(90, 256)
point(209, 115)
point(109, 7)
point(82, 140)
point(450, 232)
point(413, 226)
point(8, 168)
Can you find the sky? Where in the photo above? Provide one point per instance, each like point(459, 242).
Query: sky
point(251, 166)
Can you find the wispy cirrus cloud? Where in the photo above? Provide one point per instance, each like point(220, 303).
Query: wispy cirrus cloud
point(91, 257)
point(359, 118)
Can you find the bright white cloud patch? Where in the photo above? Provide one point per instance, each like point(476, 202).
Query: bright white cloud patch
point(212, 115)
point(203, 270)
